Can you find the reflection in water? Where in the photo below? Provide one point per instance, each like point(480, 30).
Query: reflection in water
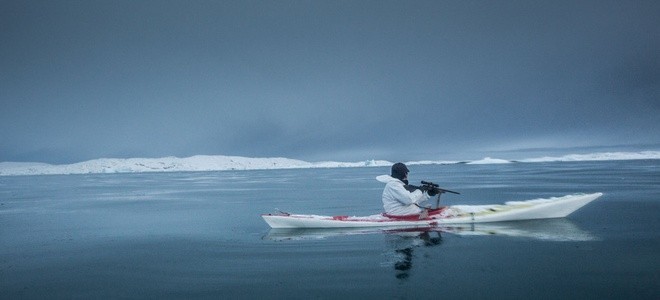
point(405, 265)
point(405, 243)
point(402, 242)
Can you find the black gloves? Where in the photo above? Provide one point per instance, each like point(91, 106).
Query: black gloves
point(431, 191)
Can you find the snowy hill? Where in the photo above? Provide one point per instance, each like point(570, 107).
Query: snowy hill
point(222, 163)
point(174, 164)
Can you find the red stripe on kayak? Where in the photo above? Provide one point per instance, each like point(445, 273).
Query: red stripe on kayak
point(415, 217)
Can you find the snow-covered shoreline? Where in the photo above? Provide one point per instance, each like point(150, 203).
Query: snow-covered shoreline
point(196, 163)
point(224, 163)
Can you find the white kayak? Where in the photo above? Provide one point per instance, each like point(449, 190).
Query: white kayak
point(557, 229)
point(557, 207)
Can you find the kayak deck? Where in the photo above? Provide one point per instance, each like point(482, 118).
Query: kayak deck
point(558, 207)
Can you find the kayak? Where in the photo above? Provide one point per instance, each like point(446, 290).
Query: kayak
point(557, 229)
point(556, 207)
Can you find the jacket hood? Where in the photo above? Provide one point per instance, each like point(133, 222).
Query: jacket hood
point(386, 178)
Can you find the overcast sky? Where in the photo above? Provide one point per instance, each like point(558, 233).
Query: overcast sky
point(326, 80)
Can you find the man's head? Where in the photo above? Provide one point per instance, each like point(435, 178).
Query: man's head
point(400, 171)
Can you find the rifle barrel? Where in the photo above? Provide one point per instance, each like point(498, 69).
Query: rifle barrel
point(448, 191)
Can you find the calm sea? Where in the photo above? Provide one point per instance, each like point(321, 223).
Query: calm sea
point(200, 235)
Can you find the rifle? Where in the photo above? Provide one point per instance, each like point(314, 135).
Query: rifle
point(430, 186)
point(436, 188)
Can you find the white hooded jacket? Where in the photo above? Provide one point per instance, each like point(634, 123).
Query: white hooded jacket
point(399, 201)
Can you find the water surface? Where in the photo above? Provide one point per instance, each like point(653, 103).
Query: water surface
point(200, 235)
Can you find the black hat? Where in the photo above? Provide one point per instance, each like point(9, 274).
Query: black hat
point(399, 171)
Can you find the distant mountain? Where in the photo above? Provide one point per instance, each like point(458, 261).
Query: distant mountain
point(174, 164)
point(223, 163)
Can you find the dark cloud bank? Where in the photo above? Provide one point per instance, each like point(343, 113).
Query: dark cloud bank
point(336, 80)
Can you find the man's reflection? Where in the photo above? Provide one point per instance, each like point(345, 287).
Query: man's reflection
point(405, 243)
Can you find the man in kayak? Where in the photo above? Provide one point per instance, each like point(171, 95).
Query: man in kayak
point(399, 198)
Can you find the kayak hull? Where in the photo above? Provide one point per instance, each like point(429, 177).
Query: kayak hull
point(556, 229)
point(558, 207)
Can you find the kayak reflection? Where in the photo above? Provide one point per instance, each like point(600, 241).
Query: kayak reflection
point(548, 229)
point(403, 241)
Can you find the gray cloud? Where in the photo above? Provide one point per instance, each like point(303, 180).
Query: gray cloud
point(316, 80)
